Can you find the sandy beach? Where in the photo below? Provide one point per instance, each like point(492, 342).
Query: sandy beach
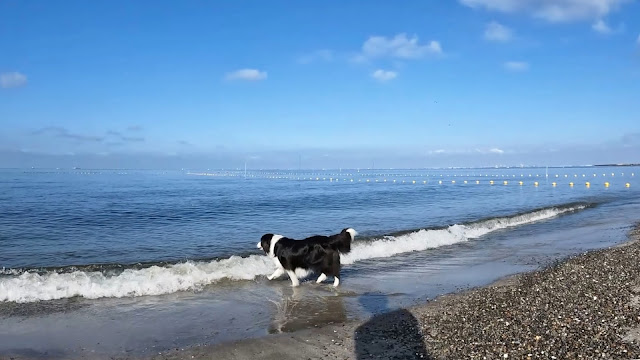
point(586, 306)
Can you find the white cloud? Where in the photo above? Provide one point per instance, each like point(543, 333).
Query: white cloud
point(384, 75)
point(12, 80)
point(247, 74)
point(485, 151)
point(551, 10)
point(497, 32)
point(601, 27)
point(516, 66)
point(400, 46)
point(318, 55)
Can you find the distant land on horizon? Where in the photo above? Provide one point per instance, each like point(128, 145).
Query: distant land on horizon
point(328, 169)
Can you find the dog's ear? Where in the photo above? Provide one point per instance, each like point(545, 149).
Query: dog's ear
point(266, 237)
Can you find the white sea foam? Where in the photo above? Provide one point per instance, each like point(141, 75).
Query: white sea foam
point(157, 280)
point(427, 239)
point(154, 280)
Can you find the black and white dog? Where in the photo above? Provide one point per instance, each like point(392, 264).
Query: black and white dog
point(320, 254)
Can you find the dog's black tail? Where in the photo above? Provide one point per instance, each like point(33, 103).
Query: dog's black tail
point(342, 241)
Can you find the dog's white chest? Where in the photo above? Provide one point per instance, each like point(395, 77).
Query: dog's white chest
point(277, 262)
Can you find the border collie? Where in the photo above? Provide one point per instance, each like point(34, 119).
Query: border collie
point(316, 253)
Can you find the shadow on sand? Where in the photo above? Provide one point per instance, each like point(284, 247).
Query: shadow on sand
point(390, 335)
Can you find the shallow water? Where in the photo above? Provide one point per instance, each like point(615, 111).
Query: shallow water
point(232, 299)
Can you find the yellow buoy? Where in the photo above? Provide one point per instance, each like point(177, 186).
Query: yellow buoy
point(414, 181)
point(465, 181)
point(477, 181)
point(554, 184)
point(535, 183)
point(627, 185)
point(587, 184)
point(521, 183)
point(570, 184)
point(453, 181)
point(506, 182)
point(491, 182)
point(606, 184)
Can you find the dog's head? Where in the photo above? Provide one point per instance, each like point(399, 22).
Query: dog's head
point(268, 242)
point(265, 243)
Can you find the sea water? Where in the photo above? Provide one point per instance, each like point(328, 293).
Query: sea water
point(109, 241)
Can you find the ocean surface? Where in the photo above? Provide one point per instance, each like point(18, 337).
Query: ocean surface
point(153, 246)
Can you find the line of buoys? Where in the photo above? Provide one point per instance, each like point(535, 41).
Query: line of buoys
point(363, 175)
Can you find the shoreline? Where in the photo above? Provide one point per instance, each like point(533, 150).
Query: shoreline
point(584, 306)
point(473, 322)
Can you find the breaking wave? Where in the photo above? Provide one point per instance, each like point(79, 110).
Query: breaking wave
point(29, 286)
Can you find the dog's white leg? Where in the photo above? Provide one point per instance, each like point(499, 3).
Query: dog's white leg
point(276, 274)
point(321, 278)
point(336, 281)
point(293, 277)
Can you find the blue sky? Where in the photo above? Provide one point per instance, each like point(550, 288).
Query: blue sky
point(350, 84)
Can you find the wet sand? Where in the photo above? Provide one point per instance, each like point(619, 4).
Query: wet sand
point(587, 306)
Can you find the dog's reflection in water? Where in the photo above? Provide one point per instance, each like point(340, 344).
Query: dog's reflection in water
point(305, 307)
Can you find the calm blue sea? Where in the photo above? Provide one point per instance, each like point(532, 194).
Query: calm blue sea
point(115, 233)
